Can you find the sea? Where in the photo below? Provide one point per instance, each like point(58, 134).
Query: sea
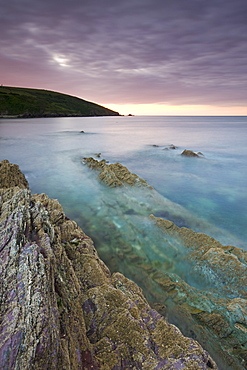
point(213, 187)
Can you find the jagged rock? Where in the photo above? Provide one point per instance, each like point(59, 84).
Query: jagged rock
point(115, 174)
point(189, 153)
point(10, 175)
point(61, 308)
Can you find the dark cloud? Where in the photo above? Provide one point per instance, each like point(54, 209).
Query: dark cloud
point(133, 51)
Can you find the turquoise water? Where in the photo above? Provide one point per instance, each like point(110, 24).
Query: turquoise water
point(212, 188)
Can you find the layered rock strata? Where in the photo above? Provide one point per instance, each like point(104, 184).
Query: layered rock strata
point(61, 308)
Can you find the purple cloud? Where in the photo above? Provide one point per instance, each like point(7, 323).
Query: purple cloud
point(136, 51)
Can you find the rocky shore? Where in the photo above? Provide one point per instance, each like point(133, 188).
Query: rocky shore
point(192, 279)
point(62, 308)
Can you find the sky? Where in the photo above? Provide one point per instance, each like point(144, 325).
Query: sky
point(151, 57)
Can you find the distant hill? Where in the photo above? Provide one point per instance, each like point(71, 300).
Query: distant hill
point(29, 103)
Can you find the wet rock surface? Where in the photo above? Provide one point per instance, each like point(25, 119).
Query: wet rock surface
point(115, 174)
point(199, 284)
point(61, 308)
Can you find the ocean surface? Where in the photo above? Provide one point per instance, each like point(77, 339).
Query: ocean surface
point(212, 188)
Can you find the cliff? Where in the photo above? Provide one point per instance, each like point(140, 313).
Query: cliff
point(30, 103)
point(61, 308)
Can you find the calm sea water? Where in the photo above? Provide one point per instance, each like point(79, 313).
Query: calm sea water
point(212, 188)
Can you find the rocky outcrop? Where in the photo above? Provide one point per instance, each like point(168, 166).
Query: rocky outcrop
point(115, 174)
point(61, 308)
point(198, 283)
point(11, 176)
point(189, 153)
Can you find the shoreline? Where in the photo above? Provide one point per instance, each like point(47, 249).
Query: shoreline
point(75, 313)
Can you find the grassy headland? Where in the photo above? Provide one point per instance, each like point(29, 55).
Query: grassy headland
point(29, 103)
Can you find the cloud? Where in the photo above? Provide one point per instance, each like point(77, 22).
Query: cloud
point(133, 51)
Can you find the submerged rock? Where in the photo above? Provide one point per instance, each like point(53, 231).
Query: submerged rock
point(213, 300)
point(199, 284)
point(134, 193)
point(61, 308)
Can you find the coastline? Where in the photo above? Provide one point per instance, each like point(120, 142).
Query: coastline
point(62, 307)
point(119, 221)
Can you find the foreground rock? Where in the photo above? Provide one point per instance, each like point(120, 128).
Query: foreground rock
point(190, 277)
point(11, 176)
point(61, 308)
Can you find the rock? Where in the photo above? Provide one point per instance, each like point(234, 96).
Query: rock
point(196, 291)
point(114, 175)
point(10, 175)
point(82, 132)
point(61, 308)
point(173, 147)
point(189, 153)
